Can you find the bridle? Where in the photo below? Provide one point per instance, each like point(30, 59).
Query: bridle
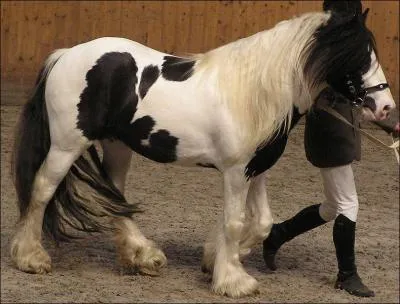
point(360, 96)
point(355, 98)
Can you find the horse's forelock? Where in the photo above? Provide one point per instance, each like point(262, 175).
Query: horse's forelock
point(341, 46)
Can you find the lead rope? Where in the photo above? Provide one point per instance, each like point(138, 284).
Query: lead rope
point(394, 146)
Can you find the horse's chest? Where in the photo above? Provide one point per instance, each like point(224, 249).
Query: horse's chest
point(266, 157)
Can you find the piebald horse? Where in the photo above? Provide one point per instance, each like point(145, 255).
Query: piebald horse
point(230, 108)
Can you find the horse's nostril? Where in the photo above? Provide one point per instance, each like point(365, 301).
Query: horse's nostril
point(387, 108)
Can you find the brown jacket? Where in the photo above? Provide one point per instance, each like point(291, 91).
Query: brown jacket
point(328, 141)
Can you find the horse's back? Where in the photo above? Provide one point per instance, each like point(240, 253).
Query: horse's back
point(117, 88)
point(73, 66)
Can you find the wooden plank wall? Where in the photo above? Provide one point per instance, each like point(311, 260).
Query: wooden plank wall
point(32, 29)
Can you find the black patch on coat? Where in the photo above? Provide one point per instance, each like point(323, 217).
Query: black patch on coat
point(161, 146)
point(109, 98)
point(177, 68)
point(149, 76)
point(268, 155)
point(108, 104)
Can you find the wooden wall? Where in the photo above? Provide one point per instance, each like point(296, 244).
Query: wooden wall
point(32, 29)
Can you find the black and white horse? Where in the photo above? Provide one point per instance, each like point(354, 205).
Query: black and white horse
point(230, 108)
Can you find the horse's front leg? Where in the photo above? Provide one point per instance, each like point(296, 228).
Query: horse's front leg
point(257, 224)
point(258, 216)
point(229, 276)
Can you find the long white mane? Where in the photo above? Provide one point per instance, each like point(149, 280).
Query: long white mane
point(261, 77)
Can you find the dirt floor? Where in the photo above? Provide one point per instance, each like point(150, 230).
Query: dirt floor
point(182, 204)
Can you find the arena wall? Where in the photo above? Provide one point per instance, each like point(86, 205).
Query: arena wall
point(30, 30)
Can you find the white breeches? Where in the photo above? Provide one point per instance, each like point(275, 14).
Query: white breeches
point(340, 193)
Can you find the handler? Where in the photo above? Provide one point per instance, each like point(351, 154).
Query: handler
point(331, 145)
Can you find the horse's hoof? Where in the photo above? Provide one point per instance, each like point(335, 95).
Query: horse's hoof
point(30, 258)
point(149, 272)
point(236, 286)
point(150, 261)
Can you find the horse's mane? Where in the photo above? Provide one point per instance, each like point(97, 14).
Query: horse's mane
point(260, 77)
point(342, 47)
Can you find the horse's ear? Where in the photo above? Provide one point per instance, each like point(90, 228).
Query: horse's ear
point(365, 14)
point(348, 7)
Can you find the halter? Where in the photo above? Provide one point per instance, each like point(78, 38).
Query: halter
point(359, 97)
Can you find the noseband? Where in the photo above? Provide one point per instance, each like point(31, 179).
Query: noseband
point(360, 96)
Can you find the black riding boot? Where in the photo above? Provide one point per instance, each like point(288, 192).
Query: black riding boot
point(305, 220)
point(347, 278)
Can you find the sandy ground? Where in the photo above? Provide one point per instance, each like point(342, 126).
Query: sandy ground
point(182, 204)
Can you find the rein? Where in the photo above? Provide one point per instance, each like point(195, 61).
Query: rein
point(336, 114)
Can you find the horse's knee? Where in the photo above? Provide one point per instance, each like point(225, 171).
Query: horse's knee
point(264, 227)
point(233, 229)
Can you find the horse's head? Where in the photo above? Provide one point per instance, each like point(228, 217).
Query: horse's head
point(343, 55)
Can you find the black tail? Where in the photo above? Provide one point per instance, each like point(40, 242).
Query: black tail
point(84, 196)
point(32, 142)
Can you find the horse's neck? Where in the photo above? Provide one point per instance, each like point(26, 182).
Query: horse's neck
point(260, 78)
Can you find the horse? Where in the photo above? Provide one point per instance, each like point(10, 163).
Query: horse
point(230, 109)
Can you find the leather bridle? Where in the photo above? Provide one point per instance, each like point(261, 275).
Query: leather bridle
point(360, 96)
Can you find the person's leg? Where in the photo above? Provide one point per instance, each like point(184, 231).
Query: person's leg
point(339, 187)
point(305, 220)
point(341, 198)
point(337, 200)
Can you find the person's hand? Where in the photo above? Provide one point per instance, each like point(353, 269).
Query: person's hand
point(390, 125)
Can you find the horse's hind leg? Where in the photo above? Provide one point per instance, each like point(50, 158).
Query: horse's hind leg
point(134, 249)
point(116, 161)
point(26, 248)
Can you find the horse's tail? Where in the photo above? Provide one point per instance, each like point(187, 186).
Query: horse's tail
point(85, 194)
point(32, 137)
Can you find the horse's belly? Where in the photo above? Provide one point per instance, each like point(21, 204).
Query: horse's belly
point(164, 146)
